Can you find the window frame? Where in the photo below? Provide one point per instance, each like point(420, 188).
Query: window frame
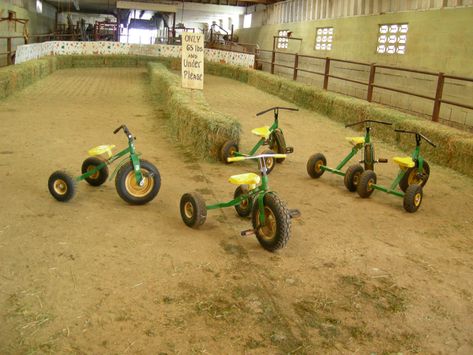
point(283, 39)
point(324, 38)
point(385, 45)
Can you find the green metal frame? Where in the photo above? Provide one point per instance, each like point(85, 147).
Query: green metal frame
point(350, 155)
point(262, 140)
point(134, 158)
point(355, 149)
point(257, 193)
point(416, 157)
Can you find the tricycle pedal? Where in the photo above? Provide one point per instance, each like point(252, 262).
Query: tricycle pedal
point(248, 233)
point(294, 213)
point(382, 160)
point(289, 150)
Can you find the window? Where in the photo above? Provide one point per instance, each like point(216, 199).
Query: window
point(324, 38)
point(39, 6)
point(247, 21)
point(283, 42)
point(392, 38)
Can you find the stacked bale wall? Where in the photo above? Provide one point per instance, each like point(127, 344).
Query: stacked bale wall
point(194, 124)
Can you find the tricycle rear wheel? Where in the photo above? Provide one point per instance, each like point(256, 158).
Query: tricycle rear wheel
point(314, 165)
point(352, 177)
point(228, 150)
point(244, 208)
point(276, 231)
point(193, 210)
point(413, 198)
point(62, 186)
point(100, 176)
point(130, 191)
point(367, 179)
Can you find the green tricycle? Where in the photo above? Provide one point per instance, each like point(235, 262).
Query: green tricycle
point(272, 136)
point(137, 181)
point(413, 174)
point(270, 217)
point(317, 163)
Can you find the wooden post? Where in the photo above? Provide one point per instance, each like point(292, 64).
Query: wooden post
point(273, 56)
point(9, 51)
point(296, 64)
point(371, 82)
point(438, 97)
point(327, 71)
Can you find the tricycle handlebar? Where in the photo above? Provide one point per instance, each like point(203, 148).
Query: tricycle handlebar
point(418, 136)
point(232, 159)
point(125, 129)
point(276, 109)
point(365, 121)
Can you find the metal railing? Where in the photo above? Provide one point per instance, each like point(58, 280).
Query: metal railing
point(370, 83)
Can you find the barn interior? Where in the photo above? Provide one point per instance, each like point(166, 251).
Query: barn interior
point(356, 250)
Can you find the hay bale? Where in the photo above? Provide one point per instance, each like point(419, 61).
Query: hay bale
point(462, 155)
point(265, 81)
point(442, 136)
point(191, 121)
point(64, 61)
point(17, 77)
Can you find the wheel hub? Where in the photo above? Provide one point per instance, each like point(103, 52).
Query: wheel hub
point(60, 186)
point(188, 210)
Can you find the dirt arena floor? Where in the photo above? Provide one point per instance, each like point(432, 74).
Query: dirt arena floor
point(96, 275)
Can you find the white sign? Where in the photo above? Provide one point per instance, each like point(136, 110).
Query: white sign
point(193, 60)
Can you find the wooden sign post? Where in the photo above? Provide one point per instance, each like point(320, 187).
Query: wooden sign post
point(193, 60)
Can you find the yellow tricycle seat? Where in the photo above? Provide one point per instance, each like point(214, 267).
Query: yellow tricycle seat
point(245, 179)
point(356, 140)
point(404, 162)
point(102, 149)
point(262, 132)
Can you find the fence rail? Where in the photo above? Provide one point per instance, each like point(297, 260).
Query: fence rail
point(370, 84)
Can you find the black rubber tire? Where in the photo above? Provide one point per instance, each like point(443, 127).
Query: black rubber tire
point(411, 178)
point(100, 176)
point(368, 156)
point(352, 177)
point(129, 191)
point(193, 210)
point(62, 186)
point(413, 198)
point(313, 165)
point(244, 208)
point(278, 144)
point(270, 162)
point(364, 188)
point(276, 232)
point(228, 150)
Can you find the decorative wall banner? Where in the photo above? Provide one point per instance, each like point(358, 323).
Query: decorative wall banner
point(28, 52)
point(192, 60)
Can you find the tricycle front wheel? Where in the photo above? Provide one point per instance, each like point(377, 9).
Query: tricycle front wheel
point(276, 230)
point(62, 186)
point(130, 191)
point(193, 210)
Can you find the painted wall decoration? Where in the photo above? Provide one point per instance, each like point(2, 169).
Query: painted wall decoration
point(28, 52)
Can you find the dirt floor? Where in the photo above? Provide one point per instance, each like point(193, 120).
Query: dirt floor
point(96, 275)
